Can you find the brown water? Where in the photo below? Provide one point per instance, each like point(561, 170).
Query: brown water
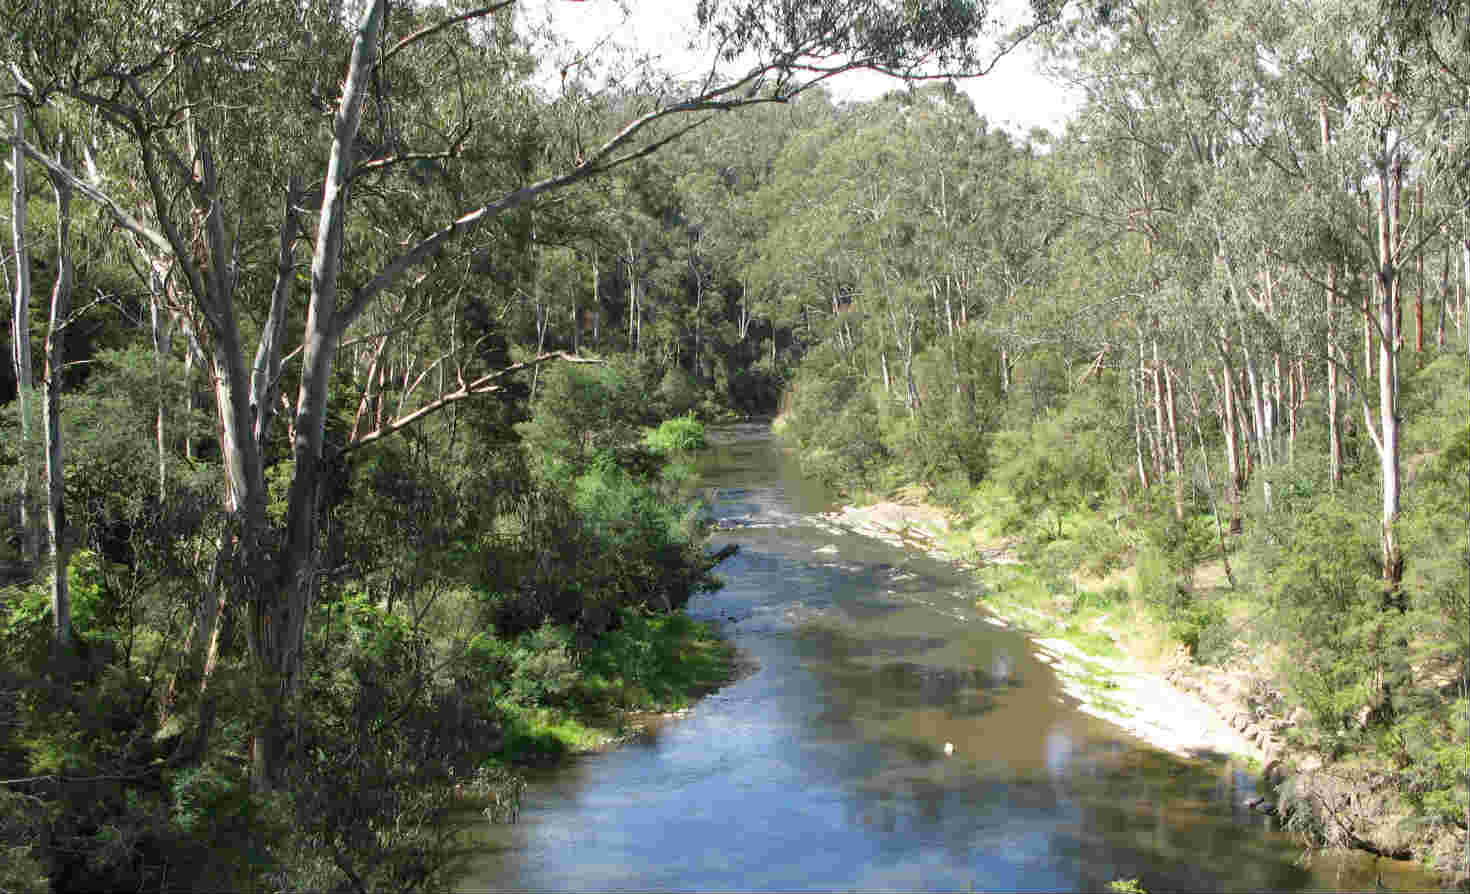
point(826, 768)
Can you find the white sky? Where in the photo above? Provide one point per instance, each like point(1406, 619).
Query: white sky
point(1013, 96)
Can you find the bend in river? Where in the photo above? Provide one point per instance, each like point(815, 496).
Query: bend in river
point(827, 767)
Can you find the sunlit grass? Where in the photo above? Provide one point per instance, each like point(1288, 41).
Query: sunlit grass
point(651, 663)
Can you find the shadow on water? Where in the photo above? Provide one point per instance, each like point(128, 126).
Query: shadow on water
point(887, 742)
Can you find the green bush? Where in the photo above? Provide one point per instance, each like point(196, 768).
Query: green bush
point(682, 433)
point(1435, 760)
point(543, 671)
point(1108, 598)
point(678, 392)
point(1103, 548)
point(1326, 596)
point(1049, 470)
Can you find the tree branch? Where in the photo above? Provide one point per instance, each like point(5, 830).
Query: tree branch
point(428, 30)
point(123, 219)
point(486, 384)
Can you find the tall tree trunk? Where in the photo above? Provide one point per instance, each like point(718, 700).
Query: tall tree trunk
point(1234, 484)
point(1243, 420)
point(1334, 429)
point(61, 294)
point(159, 324)
point(635, 330)
point(20, 336)
point(1334, 433)
point(278, 614)
point(1136, 386)
point(1390, 183)
point(1444, 298)
point(1158, 388)
point(1419, 265)
point(1259, 419)
point(1174, 446)
point(189, 401)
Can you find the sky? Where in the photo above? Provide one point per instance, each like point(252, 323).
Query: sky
point(1013, 96)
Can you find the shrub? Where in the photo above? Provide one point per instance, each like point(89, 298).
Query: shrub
point(681, 433)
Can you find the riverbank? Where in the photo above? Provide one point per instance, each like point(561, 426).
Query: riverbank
point(650, 669)
point(1128, 690)
point(1123, 666)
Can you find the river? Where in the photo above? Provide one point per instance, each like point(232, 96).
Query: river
point(826, 768)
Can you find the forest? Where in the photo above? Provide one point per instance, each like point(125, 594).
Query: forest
point(357, 367)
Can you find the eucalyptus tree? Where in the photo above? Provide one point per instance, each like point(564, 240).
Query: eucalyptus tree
point(20, 325)
point(223, 103)
point(1376, 106)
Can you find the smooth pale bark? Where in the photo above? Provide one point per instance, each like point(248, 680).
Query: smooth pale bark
point(277, 620)
point(265, 373)
point(1161, 446)
point(159, 327)
point(20, 335)
point(1389, 185)
point(64, 638)
point(1368, 328)
point(1260, 419)
point(1444, 299)
point(633, 332)
point(1235, 484)
point(1136, 387)
point(1419, 265)
point(1174, 446)
point(1247, 455)
point(1334, 430)
point(1334, 433)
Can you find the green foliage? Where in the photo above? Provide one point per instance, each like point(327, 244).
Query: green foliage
point(96, 608)
point(21, 860)
point(1430, 749)
point(581, 410)
point(678, 392)
point(680, 434)
point(1104, 549)
point(831, 419)
point(654, 661)
point(1047, 472)
point(1326, 593)
point(1126, 886)
point(542, 670)
point(561, 699)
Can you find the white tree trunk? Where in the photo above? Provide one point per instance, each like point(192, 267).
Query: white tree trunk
point(55, 470)
point(162, 338)
point(20, 335)
point(278, 620)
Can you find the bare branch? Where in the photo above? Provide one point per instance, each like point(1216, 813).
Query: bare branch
point(486, 384)
point(428, 30)
point(123, 219)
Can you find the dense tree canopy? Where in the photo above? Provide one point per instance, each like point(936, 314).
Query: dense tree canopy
point(354, 321)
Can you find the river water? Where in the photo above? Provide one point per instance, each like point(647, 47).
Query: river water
point(826, 768)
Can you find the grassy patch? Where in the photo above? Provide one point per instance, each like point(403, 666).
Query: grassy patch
point(650, 663)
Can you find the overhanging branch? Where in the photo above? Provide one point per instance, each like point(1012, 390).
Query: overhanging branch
point(486, 384)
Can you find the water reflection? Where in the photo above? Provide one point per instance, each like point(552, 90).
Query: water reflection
point(826, 769)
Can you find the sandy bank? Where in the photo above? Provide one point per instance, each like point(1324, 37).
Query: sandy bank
point(1121, 691)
